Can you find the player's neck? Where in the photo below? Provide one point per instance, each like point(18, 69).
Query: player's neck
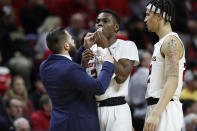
point(112, 40)
point(164, 29)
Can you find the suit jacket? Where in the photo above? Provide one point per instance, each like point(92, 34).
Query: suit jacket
point(6, 123)
point(72, 91)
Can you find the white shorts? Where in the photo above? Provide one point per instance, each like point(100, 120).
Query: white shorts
point(171, 118)
point(115, 118)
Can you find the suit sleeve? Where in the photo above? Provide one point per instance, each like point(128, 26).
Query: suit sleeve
point(80, 80)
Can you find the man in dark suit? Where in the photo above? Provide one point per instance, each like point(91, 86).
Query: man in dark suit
point(70, 89)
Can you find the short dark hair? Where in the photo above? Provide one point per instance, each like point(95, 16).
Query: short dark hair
point(55, 38)
point(165, 6)
point(8, 102)
point(44, 100)
point(113, 13)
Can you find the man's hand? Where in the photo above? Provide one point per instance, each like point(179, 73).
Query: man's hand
point(89, 40)
point(86, 56)
point(100, 39)
point(151, 124)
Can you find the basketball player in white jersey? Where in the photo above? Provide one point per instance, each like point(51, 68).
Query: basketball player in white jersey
point(164, 112)
point(113, 111)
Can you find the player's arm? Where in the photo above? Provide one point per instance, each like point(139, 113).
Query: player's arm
point(172, 51)
point(123, 69)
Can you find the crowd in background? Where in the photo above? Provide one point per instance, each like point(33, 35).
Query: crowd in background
point(23, 27)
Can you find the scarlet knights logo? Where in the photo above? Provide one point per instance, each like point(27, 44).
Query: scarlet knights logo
point(154, 58)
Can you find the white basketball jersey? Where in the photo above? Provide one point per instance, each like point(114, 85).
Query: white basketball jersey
point(156, 71)
point(120, 49)
point(95, 65)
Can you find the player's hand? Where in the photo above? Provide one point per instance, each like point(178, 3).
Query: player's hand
point(108, 57)
point(100, 39)
point(89, 40)
point(86, 57)
point(152, 122)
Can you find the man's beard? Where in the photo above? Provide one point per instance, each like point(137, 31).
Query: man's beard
point(72, 51)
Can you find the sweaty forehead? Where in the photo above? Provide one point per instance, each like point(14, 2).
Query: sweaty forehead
point(105, 15)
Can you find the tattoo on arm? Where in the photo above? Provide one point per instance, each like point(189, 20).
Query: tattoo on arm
point(171, 59)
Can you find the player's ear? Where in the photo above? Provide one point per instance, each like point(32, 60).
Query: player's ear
point(116, 27)
point(159, 17)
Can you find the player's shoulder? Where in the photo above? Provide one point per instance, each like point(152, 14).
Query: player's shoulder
point(172, 41)
point(172, 38)
point(126, 43)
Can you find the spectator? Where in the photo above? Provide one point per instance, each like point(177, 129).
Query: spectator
point(137, 90)
point(7, 26)
point(66, 8)
point(49, 23)
point(120, 6)
point(190, 115)
point(39, 91)
point(137, 33)
point(190, 89)
point(21, 124)
point(194, 6)
point(40, 119)
point(190, 122)
point(183, 20)
point(19, 91)
point(189, 106)
point(76, 28)
point(32, 15)
point(192, 48)
point(5, 77)
point(17, 5)
point(20, 62)
point(90, 14)
point(182, 15)
point(14, 110)
point(138, 7)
